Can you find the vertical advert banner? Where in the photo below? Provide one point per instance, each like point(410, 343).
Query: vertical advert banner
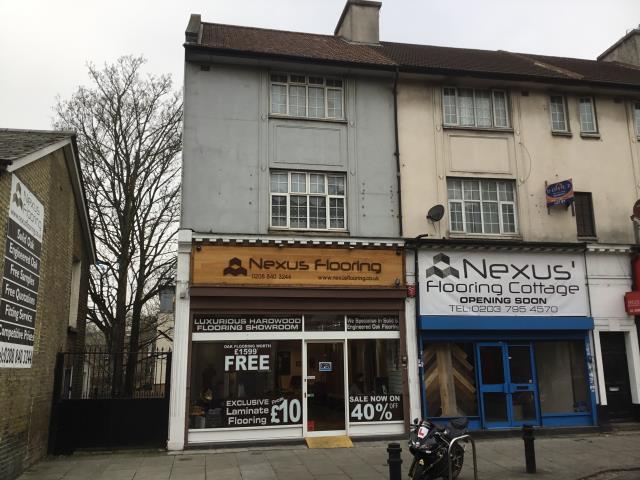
point(21, 277)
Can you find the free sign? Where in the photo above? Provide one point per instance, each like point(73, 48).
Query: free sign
point(247, 357)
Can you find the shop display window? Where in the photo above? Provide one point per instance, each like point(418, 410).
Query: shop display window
point(450, 379)
point(562, 377)
point(375, 380)
point(246, 384)
point(324, 323)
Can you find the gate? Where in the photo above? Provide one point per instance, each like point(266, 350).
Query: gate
point(92, 411)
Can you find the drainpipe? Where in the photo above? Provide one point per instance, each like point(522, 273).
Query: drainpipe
point(416, 243)
point(397, 152)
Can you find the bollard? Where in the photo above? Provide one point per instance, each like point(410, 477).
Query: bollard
point(529, 448)
point(394, 461)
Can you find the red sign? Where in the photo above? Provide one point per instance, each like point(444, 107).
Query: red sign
point(632, 303)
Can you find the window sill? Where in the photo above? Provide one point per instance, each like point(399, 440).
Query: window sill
point(477, 129)
point(324, 233)
point(561, 134)
point(587, 239)
point(308, 119)
point(593, 135)
point(503, 236)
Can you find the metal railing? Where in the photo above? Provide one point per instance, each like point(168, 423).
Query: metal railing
point(98, 374)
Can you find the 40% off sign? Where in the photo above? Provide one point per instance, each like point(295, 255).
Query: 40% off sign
point(375, 408)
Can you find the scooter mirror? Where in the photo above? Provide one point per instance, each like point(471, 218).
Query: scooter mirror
point(415, 421)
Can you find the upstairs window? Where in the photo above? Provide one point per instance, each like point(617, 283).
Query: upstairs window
point(308, 201)
point(307, 96)
point(588, 122)
point(585, 221)
point(468, 107)
point(558, 110)
point(482, 206)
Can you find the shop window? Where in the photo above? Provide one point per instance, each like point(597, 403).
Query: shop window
point(375, 380)
point(562, 377)
point(450, 379)
point(324, 323)
point(246, 384)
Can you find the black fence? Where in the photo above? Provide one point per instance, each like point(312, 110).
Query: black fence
point(101, 400)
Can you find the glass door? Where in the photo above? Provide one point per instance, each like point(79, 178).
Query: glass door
point(325, 388)
point(508, 394)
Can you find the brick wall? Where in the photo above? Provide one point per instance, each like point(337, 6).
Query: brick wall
point(25, 394)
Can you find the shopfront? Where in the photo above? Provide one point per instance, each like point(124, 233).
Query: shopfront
point(505, 338)
point(295, 342)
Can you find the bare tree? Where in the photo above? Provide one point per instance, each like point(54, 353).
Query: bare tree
point(129, 128)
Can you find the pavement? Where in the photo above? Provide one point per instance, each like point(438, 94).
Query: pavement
point(614, 456)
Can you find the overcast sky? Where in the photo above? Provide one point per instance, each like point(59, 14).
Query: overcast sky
point(45, 45)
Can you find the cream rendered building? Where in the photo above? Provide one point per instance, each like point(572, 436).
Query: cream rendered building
point(482, 134)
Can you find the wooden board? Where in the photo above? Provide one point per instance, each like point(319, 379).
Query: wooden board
point(297, 266)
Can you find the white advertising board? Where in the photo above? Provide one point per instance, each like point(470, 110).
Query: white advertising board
point(502, 284)
point(21, 277)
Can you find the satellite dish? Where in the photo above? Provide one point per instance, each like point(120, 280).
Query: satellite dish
point(435, 213)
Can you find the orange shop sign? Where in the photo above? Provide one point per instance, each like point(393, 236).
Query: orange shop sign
point(297, 266)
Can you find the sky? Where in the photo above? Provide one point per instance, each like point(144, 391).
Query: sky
point(45, 45)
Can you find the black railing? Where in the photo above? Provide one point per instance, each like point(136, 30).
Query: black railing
point(96, 373)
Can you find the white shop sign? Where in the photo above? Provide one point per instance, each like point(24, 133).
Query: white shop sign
point(502, 284)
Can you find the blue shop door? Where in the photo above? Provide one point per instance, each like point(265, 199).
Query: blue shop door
point(508, 391)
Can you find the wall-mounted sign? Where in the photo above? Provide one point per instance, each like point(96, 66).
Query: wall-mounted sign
point(389, 323)
point(375, 408)
point(325, 366)
point(632, 303)
point(560, 193)
point(215, 323)
point(502, 284)
point(19, 298)
point(247, 357)
point(297, 266)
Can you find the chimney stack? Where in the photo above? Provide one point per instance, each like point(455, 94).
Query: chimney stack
point(626, 50)
point(360, 22)
point(192, 33)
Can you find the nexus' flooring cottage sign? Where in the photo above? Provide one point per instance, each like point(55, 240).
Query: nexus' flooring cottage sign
point(502, 284)
point(21, 277)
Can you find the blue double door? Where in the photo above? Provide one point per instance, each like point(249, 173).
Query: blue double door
point(507, 384)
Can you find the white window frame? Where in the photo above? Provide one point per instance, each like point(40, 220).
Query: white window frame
point(500, 203)
point(308, 194)
point(492, 91)
point(307, 85)
point(593, 115)
point(566, 114)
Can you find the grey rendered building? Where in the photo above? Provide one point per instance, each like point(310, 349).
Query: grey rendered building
point(290, 288)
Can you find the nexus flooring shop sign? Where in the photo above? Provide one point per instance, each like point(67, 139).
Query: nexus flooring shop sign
point(297, 266)
point(21, 277)
point(502, 284)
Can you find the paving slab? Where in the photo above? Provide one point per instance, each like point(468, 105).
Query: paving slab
point(613, 456)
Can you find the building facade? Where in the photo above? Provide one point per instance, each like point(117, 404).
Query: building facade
point(374, 231)
point(290, 290)
point(520, 311)
point(48, 250)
